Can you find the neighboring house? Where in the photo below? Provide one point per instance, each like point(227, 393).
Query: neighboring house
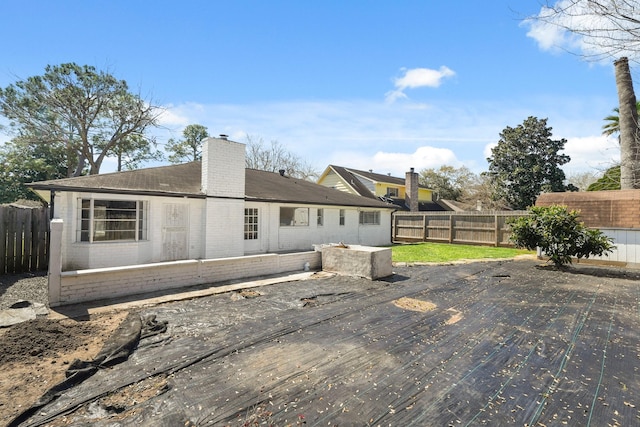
point(204, 210)
point(404, 193)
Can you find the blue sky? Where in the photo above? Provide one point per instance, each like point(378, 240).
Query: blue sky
point(382, 85)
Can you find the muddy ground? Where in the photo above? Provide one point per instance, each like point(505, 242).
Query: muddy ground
point(36, 354)
point(488, 343)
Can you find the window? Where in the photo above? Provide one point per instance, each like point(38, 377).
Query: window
point(320, 217)
point(251, 224)
point(341, 216)
point(294, 216)
point(109, 220)
point(392, 192)
point(370, 217)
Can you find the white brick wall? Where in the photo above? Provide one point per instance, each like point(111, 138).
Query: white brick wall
point(223, 168)
point(283, 238)
point(80, 255)
point(223, 233)
point(105, 283)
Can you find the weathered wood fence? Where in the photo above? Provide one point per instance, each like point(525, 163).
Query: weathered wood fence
point(476, 228)
point(24, 234)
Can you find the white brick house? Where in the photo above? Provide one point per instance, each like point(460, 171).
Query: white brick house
point(204, 210)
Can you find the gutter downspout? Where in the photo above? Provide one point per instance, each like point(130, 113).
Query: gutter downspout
point(52, 204)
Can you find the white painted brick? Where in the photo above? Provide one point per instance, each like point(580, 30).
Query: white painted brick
point(104, 283)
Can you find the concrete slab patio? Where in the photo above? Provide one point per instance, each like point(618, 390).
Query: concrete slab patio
point(486, 343)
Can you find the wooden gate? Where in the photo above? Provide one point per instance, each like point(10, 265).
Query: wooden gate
point(24, 234)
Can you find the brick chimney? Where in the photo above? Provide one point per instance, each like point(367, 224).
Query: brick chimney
point(223, 167)
point(411, 190)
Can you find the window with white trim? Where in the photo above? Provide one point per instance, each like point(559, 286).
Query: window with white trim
point(320, 220)
point(251, 223)
point(392, 192)
point(294, 216)
point(111, 220)
point(341, 216)
point(369, 217)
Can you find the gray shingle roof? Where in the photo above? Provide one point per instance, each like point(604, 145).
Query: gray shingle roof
point(349, 175)
point(184, 180)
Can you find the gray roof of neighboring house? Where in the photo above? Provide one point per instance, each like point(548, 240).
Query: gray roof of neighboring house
point(348, 175)
point(185, 180)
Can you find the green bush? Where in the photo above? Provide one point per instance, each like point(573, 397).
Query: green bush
point(559, 234)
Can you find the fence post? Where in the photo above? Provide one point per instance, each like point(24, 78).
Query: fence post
point(55, 261)
point(425, 232)
point(497, 230)
point(450, 228)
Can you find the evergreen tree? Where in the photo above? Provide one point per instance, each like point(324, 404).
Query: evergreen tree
point(526, 162)
point(189, 148)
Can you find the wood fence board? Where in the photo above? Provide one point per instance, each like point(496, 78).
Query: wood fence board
point(3, 241)
point(484, 228)
point(24, 234)
point(11, 241)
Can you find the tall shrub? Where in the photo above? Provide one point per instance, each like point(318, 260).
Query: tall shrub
point(559, 234)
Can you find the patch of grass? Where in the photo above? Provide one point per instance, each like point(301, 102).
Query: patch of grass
point(444, 252)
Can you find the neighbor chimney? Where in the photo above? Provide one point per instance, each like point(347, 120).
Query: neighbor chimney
point(411, 190)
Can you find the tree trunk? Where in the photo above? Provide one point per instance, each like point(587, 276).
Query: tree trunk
point(629, 135)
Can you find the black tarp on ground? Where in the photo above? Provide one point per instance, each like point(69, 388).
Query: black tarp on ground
point(498, 343)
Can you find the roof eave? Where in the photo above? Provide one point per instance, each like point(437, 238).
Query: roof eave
point(38, 188)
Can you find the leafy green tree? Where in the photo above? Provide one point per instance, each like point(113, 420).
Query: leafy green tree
point(610, 180)
point(526, 162)
point(87, 111)
point(22, 161)
point(559, 234)
point(134, 150)
point(612, 122)
point(449, 182)
point(188, 149)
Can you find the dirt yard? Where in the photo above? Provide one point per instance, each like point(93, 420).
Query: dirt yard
point(36, 354)
point(489, 343)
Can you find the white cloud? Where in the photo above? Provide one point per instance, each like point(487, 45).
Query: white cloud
point(422, 158)
point(595, 33)
point(551, 37)
point(415, 78)
point(397, 163)
point(591, 153)
point(487, 149)
point(392, 138)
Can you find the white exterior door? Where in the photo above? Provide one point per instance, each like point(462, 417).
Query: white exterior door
point(174, 232)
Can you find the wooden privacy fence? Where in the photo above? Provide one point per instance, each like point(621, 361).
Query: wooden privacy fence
point(24, 234)
point(476, 228)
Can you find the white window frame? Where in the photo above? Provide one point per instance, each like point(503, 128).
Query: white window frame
point(369, 217)
point(341, 220)
point(392, 192)
point(296, 217)
point(320, 217)
point(90, 226)
point(251, 216)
